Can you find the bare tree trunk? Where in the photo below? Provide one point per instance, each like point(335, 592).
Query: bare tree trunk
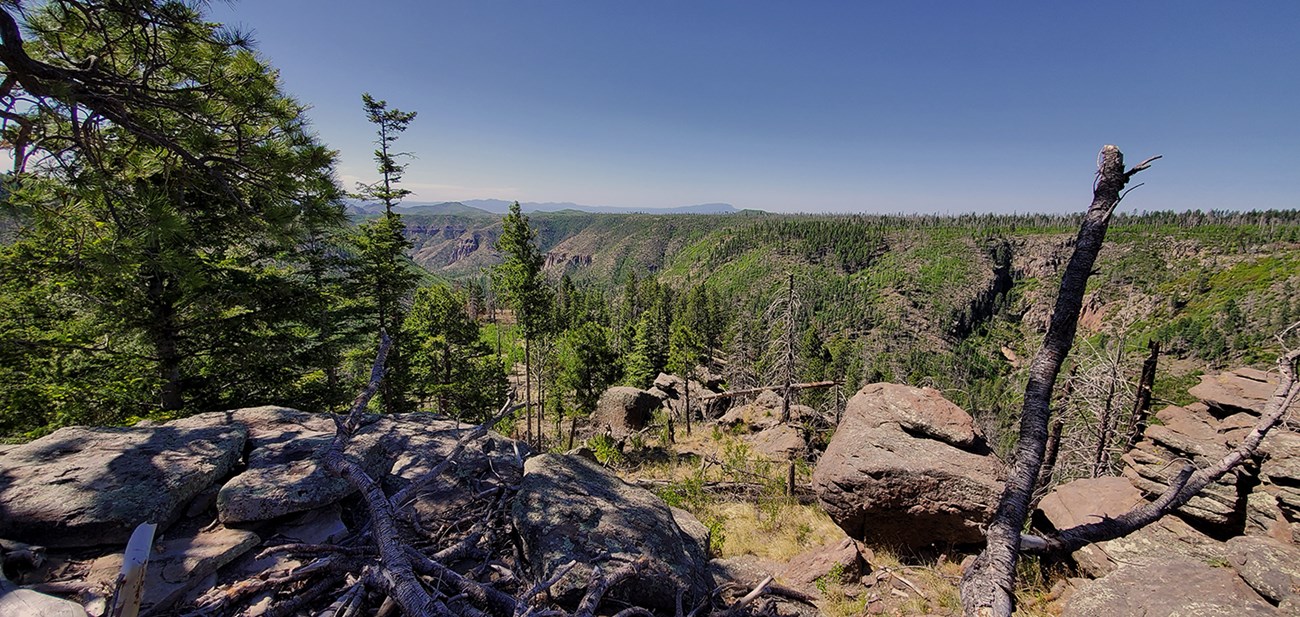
point(687, 387)
point(987, 587)
point(1106, 424)
point(789, 349)
point(1137, 424)
point(528, 389)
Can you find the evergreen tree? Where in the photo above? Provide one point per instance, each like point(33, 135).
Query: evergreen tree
point(591, 365)
point(451, 367)
point(166, 227)
point(385, 270)
point(520, 282)
point(685, 352)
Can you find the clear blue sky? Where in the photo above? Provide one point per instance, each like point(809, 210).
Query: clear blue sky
point(805, 106)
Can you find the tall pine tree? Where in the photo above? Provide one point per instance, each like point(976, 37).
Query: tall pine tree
point(385, 270)
point(519, 281)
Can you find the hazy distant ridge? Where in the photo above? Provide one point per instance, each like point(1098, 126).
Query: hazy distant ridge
point(499, 206)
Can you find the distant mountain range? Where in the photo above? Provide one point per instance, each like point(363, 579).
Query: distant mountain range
point(475, 207)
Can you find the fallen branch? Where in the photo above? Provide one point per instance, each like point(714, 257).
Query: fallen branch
point(401, 497)
point(1188, 482)
point(793, 386)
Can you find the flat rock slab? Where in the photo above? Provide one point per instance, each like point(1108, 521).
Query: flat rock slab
point(1241, 390)
point(180, 563)
point(568, 509)
point(1085, 501)
point(92, 486)
point(284, 475)
point(1171, 587)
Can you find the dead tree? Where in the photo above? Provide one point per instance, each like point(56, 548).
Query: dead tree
point(785, 311)
point(1101, 461)
point(1137, 423)
point(987, 587)
point(1189, 481)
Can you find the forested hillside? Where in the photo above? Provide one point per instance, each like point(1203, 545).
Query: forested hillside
point(954, 302)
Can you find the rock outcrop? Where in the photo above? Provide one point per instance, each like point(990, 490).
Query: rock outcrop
point(92, 486)
point(623, 410)
point(571, 509)
point(908, 468)
point(85, 490)
point(1182, 564)
point(283, 474)
point(1171, 586)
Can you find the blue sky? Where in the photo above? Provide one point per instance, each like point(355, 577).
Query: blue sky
point(805, 106)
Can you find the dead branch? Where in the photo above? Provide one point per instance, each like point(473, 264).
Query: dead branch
point(988, 584)
point(1188, 482)
point(740, 604)
point(601, 584)
point(396, 573)
point(793, 386)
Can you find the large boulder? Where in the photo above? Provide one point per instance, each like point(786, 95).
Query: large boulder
point(779, 443)
point(763, 413)
point(92, 486)
point(624, 410)
point(570, 509)
point(1168, 587)
point(284, 474)
point(908, 468)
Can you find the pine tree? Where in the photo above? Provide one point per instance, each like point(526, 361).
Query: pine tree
point(519, 280)
point(451, 367)
point(591, 366)
point(385, 270)
point(165, 214)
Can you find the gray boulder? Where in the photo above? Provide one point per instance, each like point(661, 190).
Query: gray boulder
point(568, 509)
point(908, 468)
point(284, 474)
point(624, 410)
point(92, 486)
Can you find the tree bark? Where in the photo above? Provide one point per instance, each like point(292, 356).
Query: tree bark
point(1142, 402)
point(987, 587)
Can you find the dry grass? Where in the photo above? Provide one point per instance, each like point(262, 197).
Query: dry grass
point(773, 531)
point(774, 527)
